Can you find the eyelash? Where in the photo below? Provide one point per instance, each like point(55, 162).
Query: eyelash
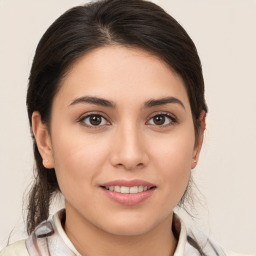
point(88, 116)
point(172, 120)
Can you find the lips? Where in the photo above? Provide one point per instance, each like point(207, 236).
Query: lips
point(128, 192)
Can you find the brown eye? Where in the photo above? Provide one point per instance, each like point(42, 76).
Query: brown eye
point(159, 120)
point(162, 120)
point(94, 120)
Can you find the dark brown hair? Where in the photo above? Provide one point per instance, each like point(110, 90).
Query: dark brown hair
point(133, 23)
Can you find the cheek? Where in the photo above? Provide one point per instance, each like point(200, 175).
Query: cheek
point(174, 152)
point(77, 159)
point(172, 158)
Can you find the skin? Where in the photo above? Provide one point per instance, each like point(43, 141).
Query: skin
point(127, 144)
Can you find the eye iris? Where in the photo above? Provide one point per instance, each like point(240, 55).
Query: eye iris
point(95, 119)
point(159, 120)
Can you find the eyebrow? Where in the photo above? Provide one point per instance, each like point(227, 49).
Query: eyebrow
point(163, 101)
point(94, 101)
point(106, 103)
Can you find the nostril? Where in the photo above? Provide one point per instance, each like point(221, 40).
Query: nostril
point(128, 159)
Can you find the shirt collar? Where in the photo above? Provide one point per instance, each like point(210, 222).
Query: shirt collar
point(50, 236)
point(178, 224)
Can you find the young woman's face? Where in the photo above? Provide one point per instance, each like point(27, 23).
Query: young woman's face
point(122, 140)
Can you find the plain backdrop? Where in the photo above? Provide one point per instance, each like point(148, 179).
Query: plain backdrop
point(224, 32)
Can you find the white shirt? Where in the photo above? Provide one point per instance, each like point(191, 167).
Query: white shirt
point(49, 238)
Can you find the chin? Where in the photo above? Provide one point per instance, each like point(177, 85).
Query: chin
point(128, 230)
point(131, 226)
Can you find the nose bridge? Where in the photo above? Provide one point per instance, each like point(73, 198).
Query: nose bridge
point(129, 150)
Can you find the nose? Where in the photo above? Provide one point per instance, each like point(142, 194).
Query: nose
point(129, 150)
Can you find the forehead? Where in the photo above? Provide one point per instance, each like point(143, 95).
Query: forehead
point(118, 73)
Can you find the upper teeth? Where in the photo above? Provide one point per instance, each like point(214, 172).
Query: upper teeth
point(128, 190)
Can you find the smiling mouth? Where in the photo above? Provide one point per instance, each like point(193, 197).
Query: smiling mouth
point(128, 190)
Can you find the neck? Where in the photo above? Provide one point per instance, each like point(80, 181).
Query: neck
point(90, 240)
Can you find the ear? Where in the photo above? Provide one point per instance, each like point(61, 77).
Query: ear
point(43, 140)
point(199, 141)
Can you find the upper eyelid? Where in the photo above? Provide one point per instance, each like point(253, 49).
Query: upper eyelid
point(82, 118)
point(162, 113)
point(105, 116)
point(173, 120)
point(90, 113)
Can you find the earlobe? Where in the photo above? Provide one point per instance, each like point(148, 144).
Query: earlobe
point(43, 140)
point(200, 139)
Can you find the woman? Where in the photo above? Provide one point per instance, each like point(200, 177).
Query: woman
point(117, 112)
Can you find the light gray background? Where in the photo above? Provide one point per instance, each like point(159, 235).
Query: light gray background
point(224, 32)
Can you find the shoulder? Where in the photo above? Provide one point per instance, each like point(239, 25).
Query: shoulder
point(15, 249)
point(192, 241)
